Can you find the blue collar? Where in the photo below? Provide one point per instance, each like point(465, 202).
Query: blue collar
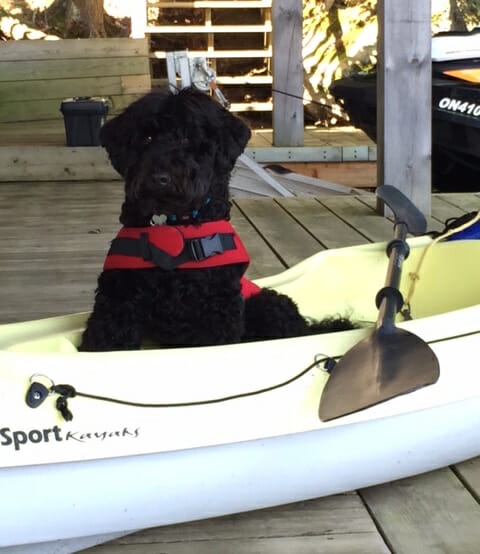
point(193, 215)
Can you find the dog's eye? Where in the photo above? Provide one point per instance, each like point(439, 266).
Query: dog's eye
point(147, 140)
point(185, 142)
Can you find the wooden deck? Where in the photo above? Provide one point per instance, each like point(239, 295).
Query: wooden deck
point(44, 133)
point(54, 238)
point(36, 151)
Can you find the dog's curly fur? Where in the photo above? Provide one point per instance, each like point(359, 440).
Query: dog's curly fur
point(174, 151)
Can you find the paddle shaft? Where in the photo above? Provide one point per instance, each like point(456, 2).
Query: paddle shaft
point(389, 299)
point(408, 219)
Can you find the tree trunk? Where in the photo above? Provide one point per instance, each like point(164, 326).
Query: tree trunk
point(456, 17)
point(91, 12)
point(83, 18)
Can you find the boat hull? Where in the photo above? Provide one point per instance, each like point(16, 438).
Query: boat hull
point(455, 135)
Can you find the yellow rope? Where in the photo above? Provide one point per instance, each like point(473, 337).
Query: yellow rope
point(415, 275)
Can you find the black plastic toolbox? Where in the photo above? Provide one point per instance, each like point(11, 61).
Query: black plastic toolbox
point(84, 117)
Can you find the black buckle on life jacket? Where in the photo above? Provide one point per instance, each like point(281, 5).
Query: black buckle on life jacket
point(205, 247)
point(195, 249)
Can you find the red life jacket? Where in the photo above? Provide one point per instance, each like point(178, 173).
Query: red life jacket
point(169, 247)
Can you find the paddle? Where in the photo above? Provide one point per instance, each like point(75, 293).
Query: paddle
point(391, 361)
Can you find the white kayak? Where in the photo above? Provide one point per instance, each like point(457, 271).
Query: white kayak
point(162, 436)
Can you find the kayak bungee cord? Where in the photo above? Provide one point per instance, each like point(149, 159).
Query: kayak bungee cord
point(38, 392)
point(415, 275)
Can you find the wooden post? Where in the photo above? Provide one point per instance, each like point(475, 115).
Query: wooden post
point(287, 73)
point(139, 18)
point(404, 92)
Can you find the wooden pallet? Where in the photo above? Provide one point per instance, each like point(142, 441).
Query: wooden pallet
point(215, 41)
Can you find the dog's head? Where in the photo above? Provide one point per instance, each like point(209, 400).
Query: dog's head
point(176, 153)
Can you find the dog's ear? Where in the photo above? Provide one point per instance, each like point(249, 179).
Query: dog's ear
point(234, 136)
point(115, 143)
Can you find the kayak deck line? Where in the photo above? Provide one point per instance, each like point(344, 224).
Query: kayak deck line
point(69, 391)
point(38, 392)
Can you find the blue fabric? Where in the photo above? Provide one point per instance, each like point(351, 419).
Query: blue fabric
point(472, 232)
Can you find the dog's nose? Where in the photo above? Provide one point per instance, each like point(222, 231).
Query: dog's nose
point(162, 179)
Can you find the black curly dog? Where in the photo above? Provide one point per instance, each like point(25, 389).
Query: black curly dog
point(176, 153)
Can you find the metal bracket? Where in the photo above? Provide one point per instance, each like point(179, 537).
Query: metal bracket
point(192, 72)
point(178, 65)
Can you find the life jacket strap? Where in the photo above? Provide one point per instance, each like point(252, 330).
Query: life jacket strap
point(194, 250)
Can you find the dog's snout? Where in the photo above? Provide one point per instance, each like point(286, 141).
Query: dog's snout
point(162, 179)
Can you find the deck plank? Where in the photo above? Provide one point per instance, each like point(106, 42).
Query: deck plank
point(360, 216)
point(442, 210)
point(336, 524)
point(329, 230)
point(426, 513)
point(284, 545)
point(433, 224)
point(467, 202)
point(315, 136)
point(263, 260)
point(291, 242)
point(53, 132)
point(358, 543)
point(469, 473)
point(54, 239)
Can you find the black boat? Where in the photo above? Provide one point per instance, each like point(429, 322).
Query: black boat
point(455, 108)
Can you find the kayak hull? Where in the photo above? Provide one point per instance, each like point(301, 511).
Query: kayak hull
point(164, 488)
point(211, 431)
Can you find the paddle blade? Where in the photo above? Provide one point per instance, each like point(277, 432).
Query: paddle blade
point(384, 365)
